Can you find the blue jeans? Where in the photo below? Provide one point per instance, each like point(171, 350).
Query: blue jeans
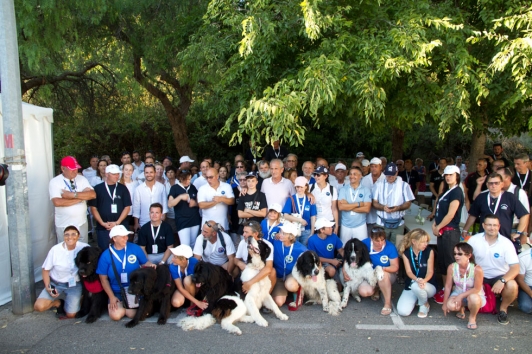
point(72, 295)
point(524, 301)
point(303, 239)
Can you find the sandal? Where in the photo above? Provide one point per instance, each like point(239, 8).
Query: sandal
point(423, 311)
point(386, 311)
point(295, 305)
point(460, 315)
point(472, 326)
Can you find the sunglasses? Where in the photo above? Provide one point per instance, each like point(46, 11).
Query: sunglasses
point(208, 225)
point(241, 179)
point(319, 174)
point(493, 183)
point(239, 166)
point(459, 254)
point(290, 160)
point(209, 177)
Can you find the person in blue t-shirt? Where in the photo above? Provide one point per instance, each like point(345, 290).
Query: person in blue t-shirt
point(325, 243)
point(384, 254)
point(298, 209)
point(272, 223)
point(181, 269)
point(285, 253)
point(127, 257)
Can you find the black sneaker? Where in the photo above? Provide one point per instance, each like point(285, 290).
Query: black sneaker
point(502, 318)
point(265, 310)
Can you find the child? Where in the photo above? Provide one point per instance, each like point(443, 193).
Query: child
point(270, 225)
point(324, 243)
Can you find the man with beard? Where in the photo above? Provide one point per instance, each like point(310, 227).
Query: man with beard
point(146, 194)
point(137, 162)
point(185, 162)
point(264, 172)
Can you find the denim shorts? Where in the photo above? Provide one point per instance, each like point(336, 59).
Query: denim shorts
point(72, 296)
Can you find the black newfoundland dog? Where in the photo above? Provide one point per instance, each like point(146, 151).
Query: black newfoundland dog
point(212, 282)
point(95, 299)
point(154, 288)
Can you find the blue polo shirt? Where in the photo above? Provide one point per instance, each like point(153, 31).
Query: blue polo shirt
point(383, 257)
point(309, 210)
point(325, 248)
point(269, 235)
point(361, 194)
point(135, 257)
point(281, 253)
point(176, 272)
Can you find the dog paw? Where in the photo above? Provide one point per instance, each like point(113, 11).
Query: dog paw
point(262, 323)
point(91, 319)
point(326, 308)
point(161, 321)
point(283, 317)
point(379, 272)
point(357, 298)
point(131, 324)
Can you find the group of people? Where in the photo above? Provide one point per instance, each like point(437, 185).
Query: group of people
point(142, 210)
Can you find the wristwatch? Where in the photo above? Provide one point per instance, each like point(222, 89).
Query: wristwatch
point(503, 280)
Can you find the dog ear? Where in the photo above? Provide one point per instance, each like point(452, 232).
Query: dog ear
point(316, 259)
point(364, 254)
point(265, 250)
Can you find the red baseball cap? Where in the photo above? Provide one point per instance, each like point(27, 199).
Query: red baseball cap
point(70, 162)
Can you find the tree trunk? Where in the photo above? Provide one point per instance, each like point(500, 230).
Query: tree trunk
point(398, 139)
point(478, 143)
point(177, 118)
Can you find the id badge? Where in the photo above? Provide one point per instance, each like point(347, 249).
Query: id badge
point(154, 249)
point(71, 282)
point(114, 208)
point(320, 209)
point(123, 278)
point(352, 213)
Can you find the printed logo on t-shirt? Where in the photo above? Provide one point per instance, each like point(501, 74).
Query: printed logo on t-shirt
point(307, 207)
point(504, 206)
point(384, 259)
point(330, 247)
point(328, 194)
point(496, 255)
point(361, 195)
point(223, 192)
point(273, 235)
point(288, 259)
point(132, 258)
point(221, 250)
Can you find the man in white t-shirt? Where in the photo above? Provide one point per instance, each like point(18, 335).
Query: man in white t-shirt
point(277, 188)
point(368, 181)
point(200, 181)
point(214, 199)
point(524, 280)
point(69, 193)
point(497, 257)
point(90, 171)
point(145, 195)
point(213, 250)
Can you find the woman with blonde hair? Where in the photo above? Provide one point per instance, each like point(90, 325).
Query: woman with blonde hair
point(419, 267)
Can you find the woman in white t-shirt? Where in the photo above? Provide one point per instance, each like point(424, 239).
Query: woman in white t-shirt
point(62, 286)
point(100, 173)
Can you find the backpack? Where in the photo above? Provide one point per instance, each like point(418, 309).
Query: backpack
point(491, 303)
point(314, 185)
point(222, 241)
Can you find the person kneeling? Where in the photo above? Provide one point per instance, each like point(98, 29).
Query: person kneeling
point(419, 267)
point(325, 243)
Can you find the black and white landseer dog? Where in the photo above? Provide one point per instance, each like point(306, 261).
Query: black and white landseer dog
point(230, 308)
point(154, 288)
point(94, 297)
point(310, 275)
point(357, 265)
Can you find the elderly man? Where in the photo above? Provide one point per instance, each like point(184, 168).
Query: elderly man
point(184, 163)
point(277, 188)
point(496, 255)
point(111, 206)
point(308, 169)
point(291, 161)
point(214, 199)
point(504, 206)
point(69, 193)
point(264, 172)
point(215, 246)
point(369, 181)
point(145, 195)
point(90, 171)
point(392, 198)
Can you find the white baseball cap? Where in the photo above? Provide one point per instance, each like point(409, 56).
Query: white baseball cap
point(112, 169)
point(375, 161)
point(289, 227)
point(185, 159)
point(182, 250)
point(119, 230)
point(365, 162)
point(276, 206)
point(449, 170)
point(322, 222)
point(340, 166)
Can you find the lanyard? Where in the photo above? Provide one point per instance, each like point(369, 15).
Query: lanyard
point(354, 195)
point(287, 259)
point(465, 277)
point(416, 269)
point(301, 207)
point(384, 184)
point(71, 257)
point(72, 182)
point(116, 256)
point(236, 181)
point(186, 270)
point(371, 251)
point(180, 185)
point(443, 196)
point(108, 192)
point(270, 228)
point(524, 181)
point(155, 235)
point(496, 204)
point(277, 153)
point(408, 177)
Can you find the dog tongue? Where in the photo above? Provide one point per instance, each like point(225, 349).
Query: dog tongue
point(314, 278)
point(353, 264)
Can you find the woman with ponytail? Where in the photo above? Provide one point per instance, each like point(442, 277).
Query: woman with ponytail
point(419, 266)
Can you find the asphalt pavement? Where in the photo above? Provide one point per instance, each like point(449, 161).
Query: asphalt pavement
point(358, 329)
